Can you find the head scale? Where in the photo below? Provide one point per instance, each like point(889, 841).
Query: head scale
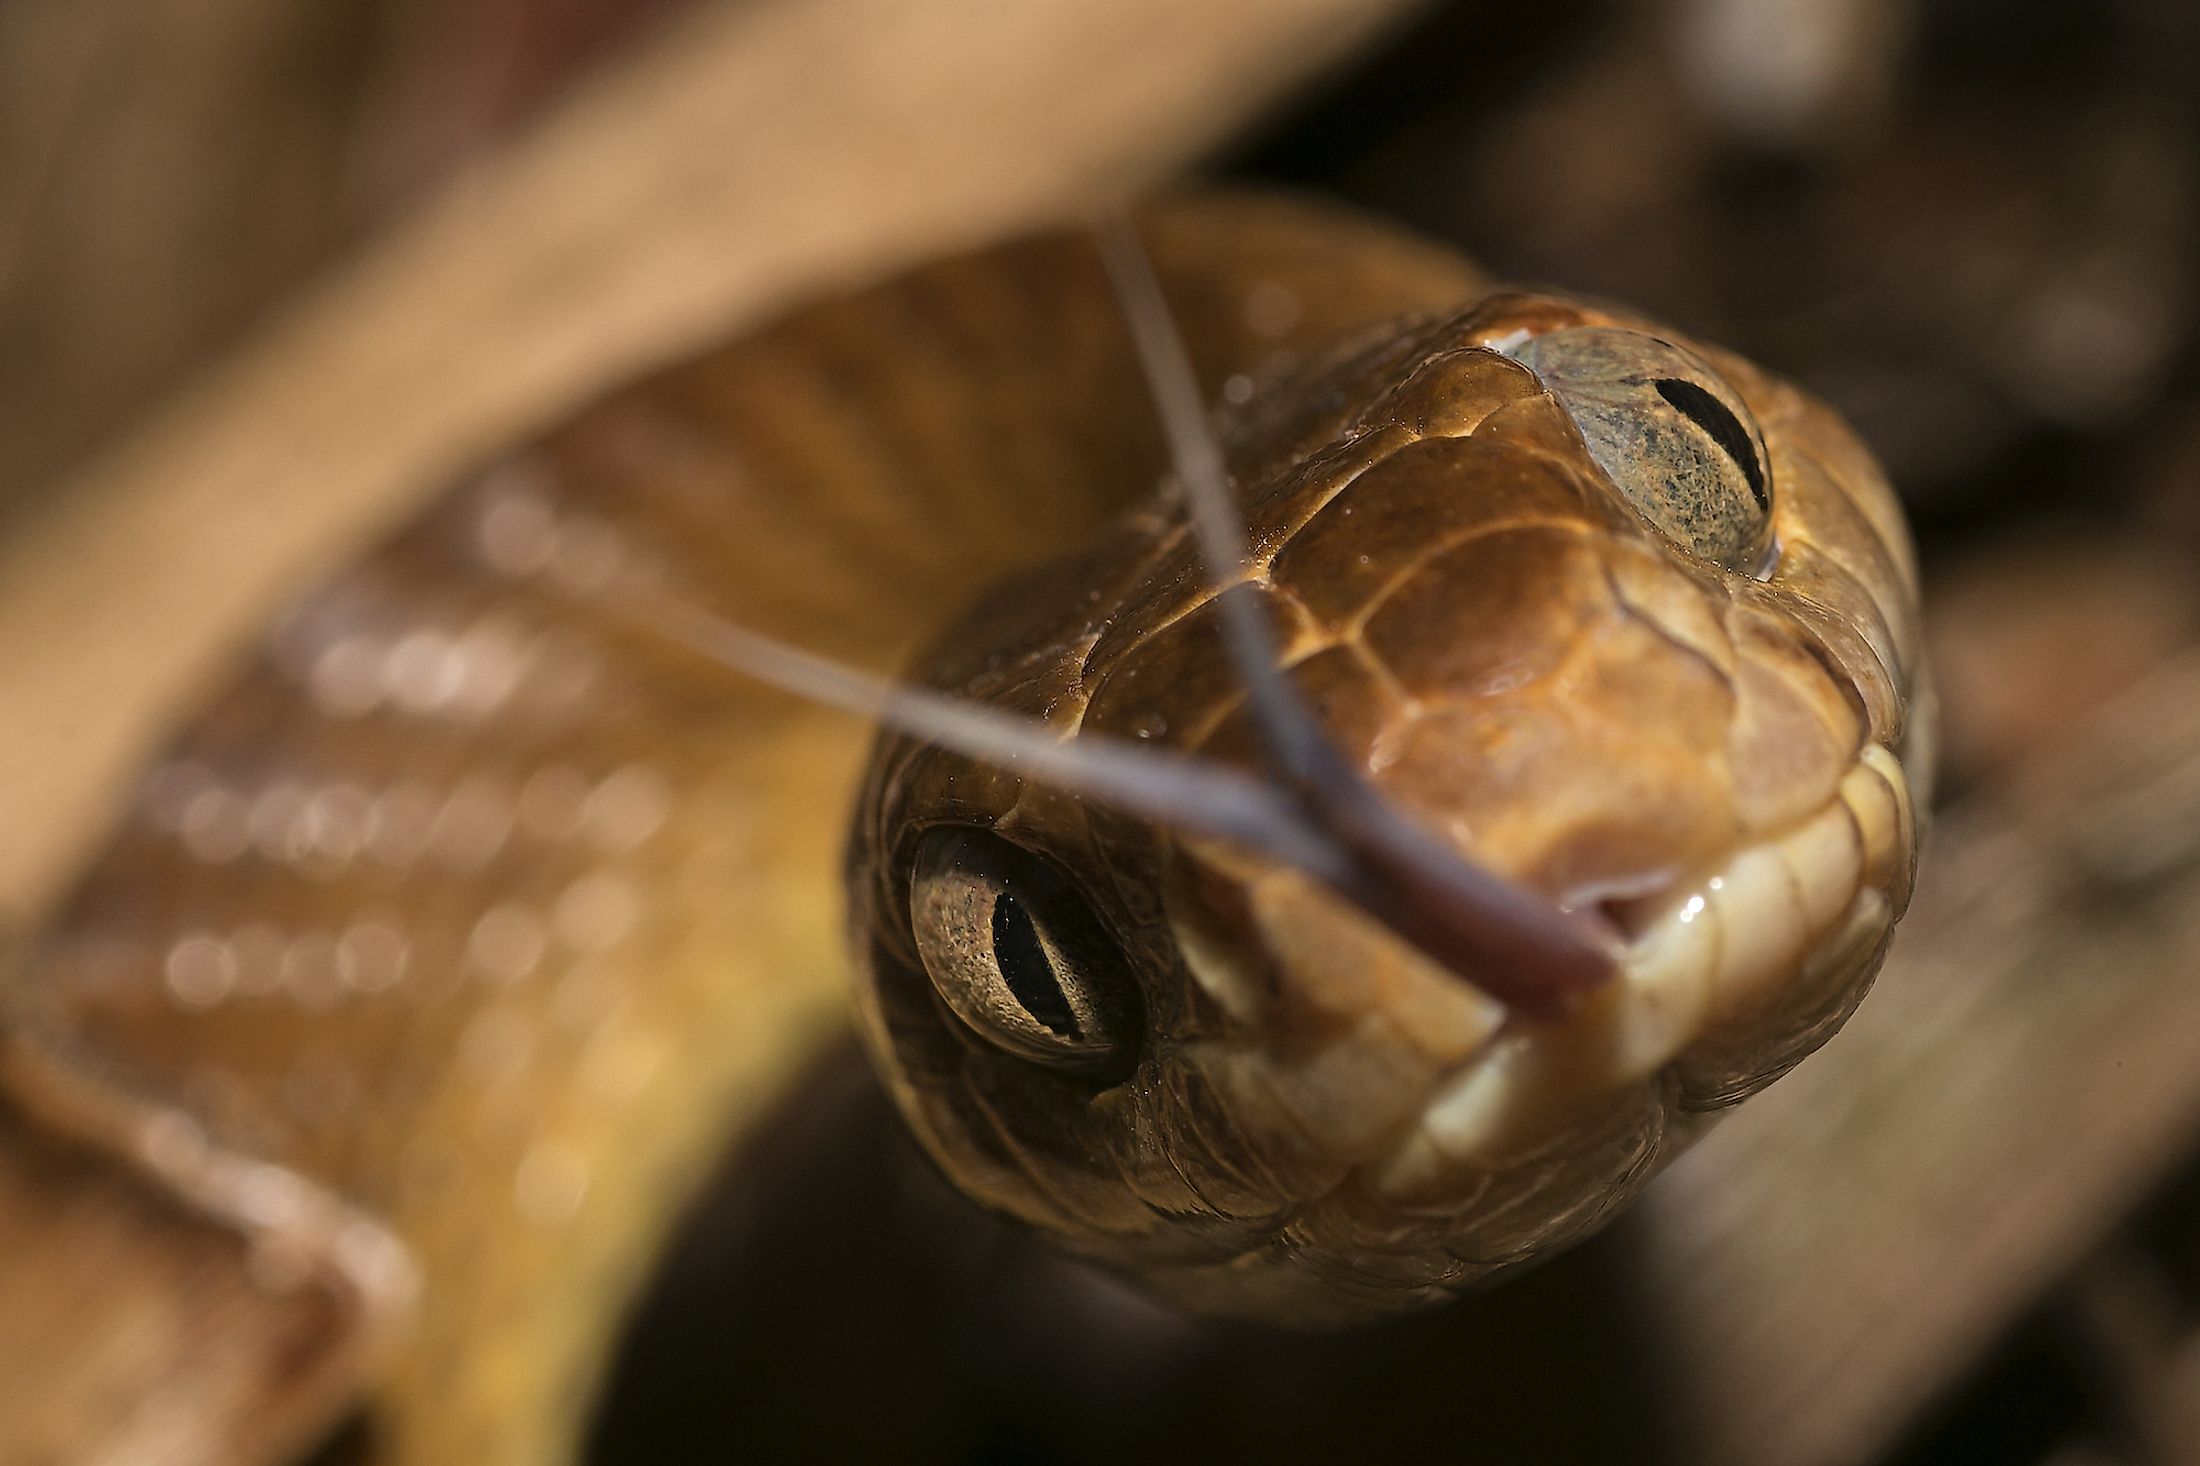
point(1616, 617)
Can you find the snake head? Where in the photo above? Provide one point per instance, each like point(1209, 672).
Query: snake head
point(1614, 616)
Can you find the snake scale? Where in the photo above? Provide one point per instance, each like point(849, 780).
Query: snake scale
point(460, 932)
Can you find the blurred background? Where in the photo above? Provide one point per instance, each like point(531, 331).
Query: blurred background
point(1973, 225)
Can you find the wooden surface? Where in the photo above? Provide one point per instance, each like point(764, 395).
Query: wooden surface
point(755, 153)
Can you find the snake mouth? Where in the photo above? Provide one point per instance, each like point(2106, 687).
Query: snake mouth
point(1728, 978)
point(1364, 1131)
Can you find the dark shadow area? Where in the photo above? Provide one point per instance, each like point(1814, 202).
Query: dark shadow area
point(829, 1300)
point(2029, 1400)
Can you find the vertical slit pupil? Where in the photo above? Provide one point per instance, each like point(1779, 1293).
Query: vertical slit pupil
point(1710, 414)
point(1027, 969)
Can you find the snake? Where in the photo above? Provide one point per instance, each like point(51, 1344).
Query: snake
point(473, 917)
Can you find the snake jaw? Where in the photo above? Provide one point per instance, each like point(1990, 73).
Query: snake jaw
point(1730, 979)
point(1410, 1130)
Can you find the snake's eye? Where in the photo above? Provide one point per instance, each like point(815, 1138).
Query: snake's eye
point(1018, 956)
point(1674, 437)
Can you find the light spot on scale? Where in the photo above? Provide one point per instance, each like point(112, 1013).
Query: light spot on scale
point(172, 1143)
point(587, 553)
point(507, 943)
point(490, 656)
point(335, 822)
point(594, 912)
point(516, 528)
point(371, 955)
point(553, 802)
point(200, 971)
point(619, 1062)
point(422, 672)
point(215, 826)
point(271, 1197)
point(276, 821)
point(1238, 389)
point(473, 823)
point(1690, 910)
point(562, 671)
point(628, 807)
point(550, 1184)
point(345, 679)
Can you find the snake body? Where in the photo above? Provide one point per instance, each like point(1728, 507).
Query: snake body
point(490, 919)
